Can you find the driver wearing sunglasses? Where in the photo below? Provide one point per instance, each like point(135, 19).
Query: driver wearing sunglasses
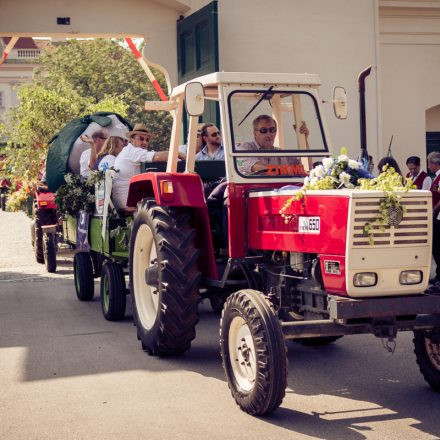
point(265, 131)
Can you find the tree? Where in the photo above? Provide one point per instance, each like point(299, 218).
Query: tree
point(74, 79)
point(99, 68)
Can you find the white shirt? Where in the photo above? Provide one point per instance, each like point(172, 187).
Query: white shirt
point(427, 182)
point(107, 162)
point(128, 164)
point(84, 160)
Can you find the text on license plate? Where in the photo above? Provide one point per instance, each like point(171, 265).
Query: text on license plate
point(309, 225)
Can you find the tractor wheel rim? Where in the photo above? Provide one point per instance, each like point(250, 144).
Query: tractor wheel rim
point(106, 293)
point(146, 296)
point(433, 351)
point(242, 354)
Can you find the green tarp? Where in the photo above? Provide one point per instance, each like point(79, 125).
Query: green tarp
point(61, 145)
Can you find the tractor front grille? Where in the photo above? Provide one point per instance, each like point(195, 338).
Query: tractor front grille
point(413, 229)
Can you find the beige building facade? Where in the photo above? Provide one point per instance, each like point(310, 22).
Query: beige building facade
point(336, 39)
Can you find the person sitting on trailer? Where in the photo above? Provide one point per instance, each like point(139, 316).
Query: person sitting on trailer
point(419, 177)
point(107, 155)
point(128, 162)
point(88, 157)
point(265, 131)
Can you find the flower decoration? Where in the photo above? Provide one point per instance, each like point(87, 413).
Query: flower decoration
point(78, 194)
point(345, 173)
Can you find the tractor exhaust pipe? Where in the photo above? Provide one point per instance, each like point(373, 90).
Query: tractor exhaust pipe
point(363, 124)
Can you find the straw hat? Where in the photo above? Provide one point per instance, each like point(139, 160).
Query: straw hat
point(139, 129)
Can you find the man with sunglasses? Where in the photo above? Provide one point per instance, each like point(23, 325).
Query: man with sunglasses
point(128, 162)
point(88, 157)
point(212, 144)
point(265, 131)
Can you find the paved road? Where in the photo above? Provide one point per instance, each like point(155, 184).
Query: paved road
point(66, 373)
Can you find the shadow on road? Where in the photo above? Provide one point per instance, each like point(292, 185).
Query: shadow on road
point(64, 337)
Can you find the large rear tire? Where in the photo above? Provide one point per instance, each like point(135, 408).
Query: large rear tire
point(50, 252)
point(113, 294)
point(427, 350)
point(83, 275)
point(164, 278)
point(253, 352)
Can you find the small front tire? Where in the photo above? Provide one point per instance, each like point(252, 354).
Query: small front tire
point(83, 275)
point(113, 292)
point(427, 350)
point(253, 352)
point(50, 252)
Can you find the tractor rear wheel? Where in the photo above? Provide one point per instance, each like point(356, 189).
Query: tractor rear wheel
point(83, 275)
point(427, 350)
point(253, 352)
point(38, 238)
point(164, 278)
point(50, 252)
point(113, 294)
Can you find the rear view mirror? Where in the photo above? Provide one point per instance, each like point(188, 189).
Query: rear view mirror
point(340, 102)
point(194, 99)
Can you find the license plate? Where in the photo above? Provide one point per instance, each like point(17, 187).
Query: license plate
point(309, 225)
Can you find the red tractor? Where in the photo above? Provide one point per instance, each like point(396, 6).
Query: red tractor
point(45, 228)
point(315, 278)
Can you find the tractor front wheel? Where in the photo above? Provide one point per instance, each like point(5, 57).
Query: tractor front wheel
point(113, 294)
point(164, 278)
point(253, 352)
point(83, 275)
point(427, 350)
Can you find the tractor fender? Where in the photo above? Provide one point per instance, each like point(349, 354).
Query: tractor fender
point(179, 190)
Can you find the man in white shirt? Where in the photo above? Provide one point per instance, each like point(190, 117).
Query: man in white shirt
point(419, 177)
point(128, 162)
point(88, 156)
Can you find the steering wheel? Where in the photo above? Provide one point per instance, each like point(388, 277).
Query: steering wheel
point(258, 172)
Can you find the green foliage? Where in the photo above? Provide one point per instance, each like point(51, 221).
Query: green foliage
point(74, 79)
point(78, 194)
point(102, 68)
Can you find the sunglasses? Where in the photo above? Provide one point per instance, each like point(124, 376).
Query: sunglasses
point(215, 134)
point(265, 130)
point(142, 138)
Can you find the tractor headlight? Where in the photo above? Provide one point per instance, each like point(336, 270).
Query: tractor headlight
point(365, 279)
point(411, 277)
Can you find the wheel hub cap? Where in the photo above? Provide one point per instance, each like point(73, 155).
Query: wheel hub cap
point(433, 351)
point(242, 354)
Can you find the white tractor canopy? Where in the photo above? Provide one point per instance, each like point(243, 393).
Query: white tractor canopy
point(290, 99)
